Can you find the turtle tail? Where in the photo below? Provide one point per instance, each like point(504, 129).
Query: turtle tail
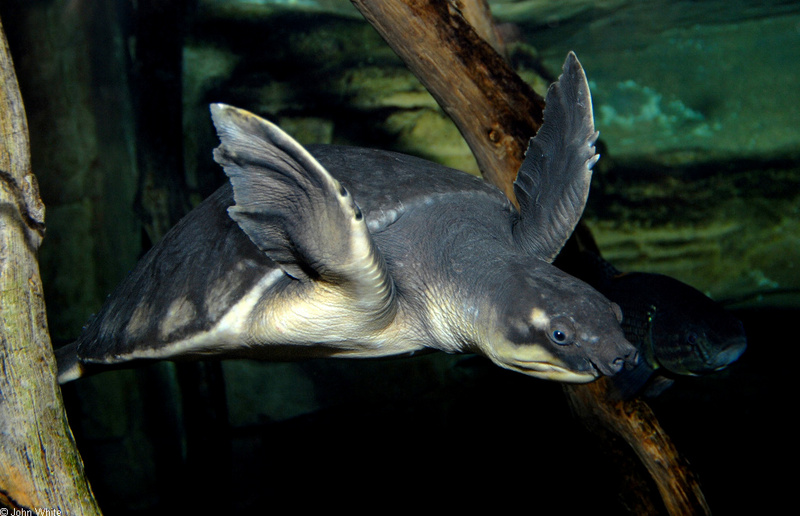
point(69, 367)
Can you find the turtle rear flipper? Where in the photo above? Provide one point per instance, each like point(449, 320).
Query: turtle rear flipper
point(553, 182)
point(297, 213)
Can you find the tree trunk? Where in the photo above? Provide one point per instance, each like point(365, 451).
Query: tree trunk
point(40, 467)
point(497, 113)
point(162, 197)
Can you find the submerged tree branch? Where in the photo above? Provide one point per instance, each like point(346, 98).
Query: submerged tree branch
point(636, 424)
point(497, 113)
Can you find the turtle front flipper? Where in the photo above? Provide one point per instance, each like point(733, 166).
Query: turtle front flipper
point(553, 182)
point(298, 214)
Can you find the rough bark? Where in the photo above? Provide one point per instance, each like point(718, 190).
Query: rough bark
point(636, 424)
point(497, 114)
point(40, 467)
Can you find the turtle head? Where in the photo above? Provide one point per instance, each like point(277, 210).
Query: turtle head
point(553, 326)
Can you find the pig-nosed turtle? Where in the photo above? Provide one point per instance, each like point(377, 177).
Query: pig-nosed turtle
point(339, 251)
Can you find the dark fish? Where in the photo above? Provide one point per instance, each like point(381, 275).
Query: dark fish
point(677, 329)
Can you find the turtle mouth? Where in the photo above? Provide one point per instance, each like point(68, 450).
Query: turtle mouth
point(550, 371)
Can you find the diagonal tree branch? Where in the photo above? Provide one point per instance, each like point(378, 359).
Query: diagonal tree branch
point(493, 108)
point(497, 113)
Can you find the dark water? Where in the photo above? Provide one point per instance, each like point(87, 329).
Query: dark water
point(477, 435)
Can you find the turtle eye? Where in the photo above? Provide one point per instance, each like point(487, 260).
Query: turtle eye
point(559, 337)
point(561, 331)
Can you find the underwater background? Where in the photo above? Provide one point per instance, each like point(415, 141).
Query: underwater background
point(697, 107)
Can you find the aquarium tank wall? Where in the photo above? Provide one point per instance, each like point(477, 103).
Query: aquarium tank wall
point(699, 179)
